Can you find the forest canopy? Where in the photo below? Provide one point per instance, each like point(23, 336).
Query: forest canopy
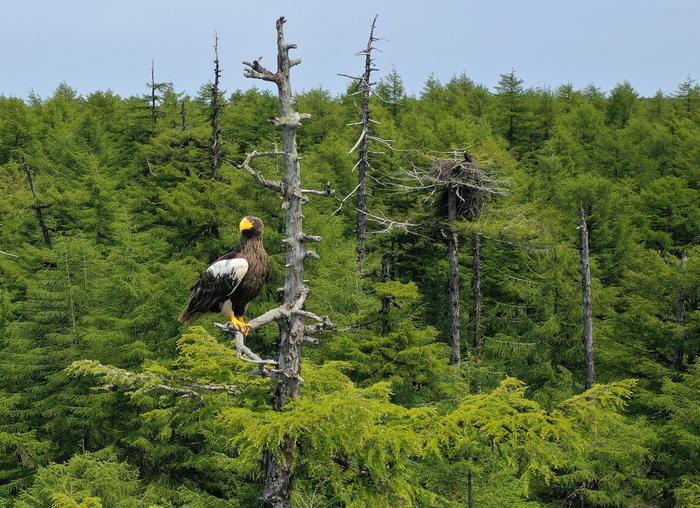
point(112, 206)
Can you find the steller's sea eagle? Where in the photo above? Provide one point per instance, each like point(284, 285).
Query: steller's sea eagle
point(233, 280)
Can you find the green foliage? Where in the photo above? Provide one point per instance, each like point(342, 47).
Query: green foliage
point(85, 481)
point(105, 400)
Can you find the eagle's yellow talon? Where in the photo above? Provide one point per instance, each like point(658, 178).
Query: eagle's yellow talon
point(240, 325)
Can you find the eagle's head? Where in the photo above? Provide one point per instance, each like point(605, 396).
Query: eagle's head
point(251, 227)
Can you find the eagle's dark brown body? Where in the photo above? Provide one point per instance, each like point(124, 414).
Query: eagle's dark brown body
point(234, 279)
point(251, 250)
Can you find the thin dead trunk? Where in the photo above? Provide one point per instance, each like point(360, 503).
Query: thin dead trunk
point(39, 209)
point(363, 166)
point(183, 114)
point(588, 341)
point(453, 255)
point(386, 300)
point(215, 153)
point(476, 282)
point(680, 316)
point(154, 97)
point(278, 465)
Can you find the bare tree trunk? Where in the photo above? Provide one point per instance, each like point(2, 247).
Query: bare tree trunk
point(183, 114)
point(37, 207)
point(476, 282)
point(154, 97)
point(386, 300)
point(363, 166)
point(680, 316)
point(215, 154)
point(588, 341)
point(453, 255)
point(277, 486)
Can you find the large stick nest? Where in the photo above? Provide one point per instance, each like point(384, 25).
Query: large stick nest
point(471, 185)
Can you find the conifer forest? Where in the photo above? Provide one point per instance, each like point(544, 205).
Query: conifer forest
point(477, 297)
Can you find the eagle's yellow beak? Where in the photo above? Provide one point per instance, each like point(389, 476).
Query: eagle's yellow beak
point(245, 224)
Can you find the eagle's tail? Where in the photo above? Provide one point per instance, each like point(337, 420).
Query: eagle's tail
point(188, 317)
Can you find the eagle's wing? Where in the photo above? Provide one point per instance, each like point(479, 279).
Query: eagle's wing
point(227, 273)
point(215, 285)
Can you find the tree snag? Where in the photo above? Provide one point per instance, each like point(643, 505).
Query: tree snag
point(215, 153)
point(588, 343)
point(183, 114)
point(463, 189)
point(277, 484)
point(38, 208)
point(365, 89)
point(154, 97)
point(363, 166)
point(453, 257)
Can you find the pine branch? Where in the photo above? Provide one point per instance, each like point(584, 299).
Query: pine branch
point(114, 376)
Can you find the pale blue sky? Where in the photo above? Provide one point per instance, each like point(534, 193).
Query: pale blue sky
point(94, 44)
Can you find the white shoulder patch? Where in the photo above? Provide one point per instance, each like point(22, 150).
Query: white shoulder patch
point(235, 268)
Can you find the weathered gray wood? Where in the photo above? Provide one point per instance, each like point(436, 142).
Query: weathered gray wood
point(37, 207)
point(588, 340)
point(453, 257)
point(363, 149)
point(215, 152)
point(277, 484)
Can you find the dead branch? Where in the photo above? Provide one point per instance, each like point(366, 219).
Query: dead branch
point(270, 184)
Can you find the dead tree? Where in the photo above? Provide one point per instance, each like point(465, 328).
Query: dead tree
point(183, 114)
point(215, 152)
point(476, 285)
point(463, 188)
point(293, 330)
point(154, 98)
point(453, 258)
point(38, 208)
point(365, 88)
point(680, 315)
point(152, 84)
point(588, 341)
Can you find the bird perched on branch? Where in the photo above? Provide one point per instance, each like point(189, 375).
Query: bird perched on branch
point(233, 280)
